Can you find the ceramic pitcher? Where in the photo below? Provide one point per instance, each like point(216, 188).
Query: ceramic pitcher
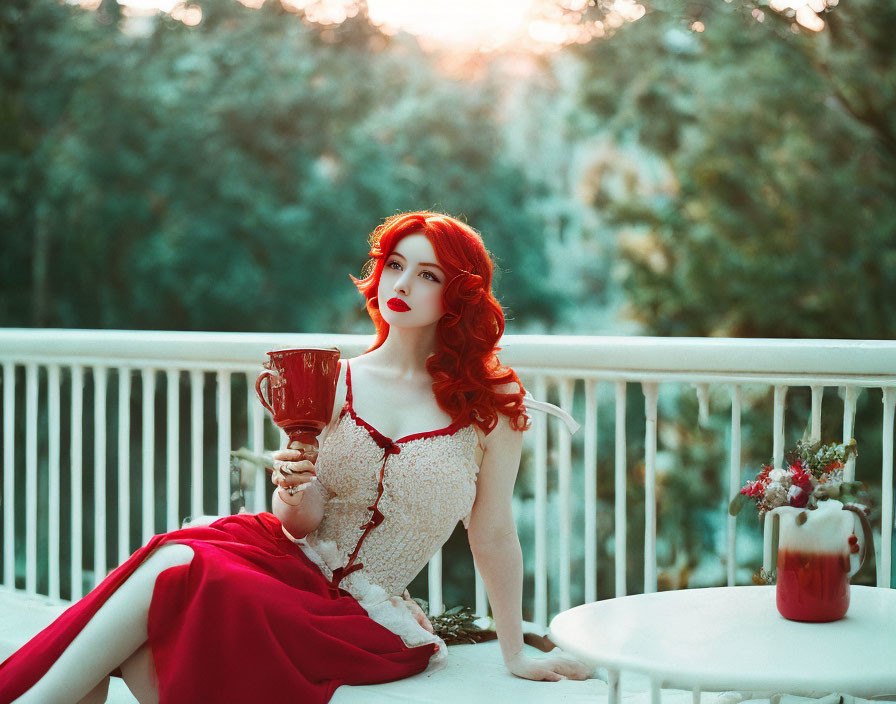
point(818, 551)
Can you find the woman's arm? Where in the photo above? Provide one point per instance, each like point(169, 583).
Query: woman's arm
point(496, 550)
point(493, 538)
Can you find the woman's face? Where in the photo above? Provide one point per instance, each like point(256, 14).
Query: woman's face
point(411, 276)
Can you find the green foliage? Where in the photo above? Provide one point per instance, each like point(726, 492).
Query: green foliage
point(779, 219)
point(455, 626)
point(226, 176)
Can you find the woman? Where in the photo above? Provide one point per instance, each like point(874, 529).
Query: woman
point(290, 605)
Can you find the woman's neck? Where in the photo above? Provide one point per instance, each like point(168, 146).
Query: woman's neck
point(404, 352)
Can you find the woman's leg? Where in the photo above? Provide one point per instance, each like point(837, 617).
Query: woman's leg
point(98, 694)
point(114, 633)
point(139, 674)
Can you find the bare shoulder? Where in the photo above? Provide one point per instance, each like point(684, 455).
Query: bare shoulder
point(503, 436)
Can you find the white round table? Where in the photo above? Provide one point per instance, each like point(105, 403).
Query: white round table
point(733, 638)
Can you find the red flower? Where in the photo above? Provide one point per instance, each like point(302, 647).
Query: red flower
point(801, 478)
point(797, 497)
point(754, 489)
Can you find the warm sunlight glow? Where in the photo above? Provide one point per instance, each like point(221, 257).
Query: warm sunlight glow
point(808, 19)
point(463, 25)
point(190, 15)
point(805, 12)
point(629, 9)
point(472, 23)
point(163, 5)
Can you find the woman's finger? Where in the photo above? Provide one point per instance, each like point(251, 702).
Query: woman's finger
point(288, 455)
point(306, 448)
point(281, 479)
point(574, 670)
point(293, 467)
point(293, 480)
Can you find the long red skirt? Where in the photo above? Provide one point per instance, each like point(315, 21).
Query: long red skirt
point(249, 619)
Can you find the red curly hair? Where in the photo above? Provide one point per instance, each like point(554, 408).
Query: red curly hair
point(465, 368)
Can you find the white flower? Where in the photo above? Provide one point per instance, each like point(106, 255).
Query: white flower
point(778, 475)
point(775, 494)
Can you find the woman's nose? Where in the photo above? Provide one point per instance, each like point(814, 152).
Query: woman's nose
point(403, 285)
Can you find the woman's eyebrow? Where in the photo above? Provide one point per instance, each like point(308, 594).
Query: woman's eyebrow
point(421, 263)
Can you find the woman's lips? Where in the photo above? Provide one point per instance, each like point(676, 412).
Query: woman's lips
point(397, 305)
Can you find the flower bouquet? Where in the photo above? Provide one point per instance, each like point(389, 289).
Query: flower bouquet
point(818, 550)
point(812, 472)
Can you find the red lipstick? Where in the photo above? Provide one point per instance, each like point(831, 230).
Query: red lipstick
point(397, 305)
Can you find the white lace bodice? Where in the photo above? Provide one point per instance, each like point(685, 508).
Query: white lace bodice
point(390, 505)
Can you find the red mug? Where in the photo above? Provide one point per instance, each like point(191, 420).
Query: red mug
point(301, 388)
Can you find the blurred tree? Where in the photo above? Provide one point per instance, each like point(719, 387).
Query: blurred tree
point(780, 220)
point(225, 176)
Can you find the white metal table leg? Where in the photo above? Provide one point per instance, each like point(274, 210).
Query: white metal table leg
point(655, 696)
point(612, 686)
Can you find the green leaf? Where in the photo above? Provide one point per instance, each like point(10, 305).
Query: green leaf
point(737, 503)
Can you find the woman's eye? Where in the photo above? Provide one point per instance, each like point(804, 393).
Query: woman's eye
point(393, 262)
point(431, 276)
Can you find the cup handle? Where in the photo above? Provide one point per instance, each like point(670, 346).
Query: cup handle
point(866, 539)
point(266, 374)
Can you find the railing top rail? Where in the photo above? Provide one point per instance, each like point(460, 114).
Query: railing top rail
point(654, 355)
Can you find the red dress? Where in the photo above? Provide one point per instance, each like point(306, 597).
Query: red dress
point(251, 618)
point(254, 617)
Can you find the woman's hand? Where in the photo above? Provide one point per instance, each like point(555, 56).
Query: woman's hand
point(416, 611)
point(551, 668)
point(293, 470)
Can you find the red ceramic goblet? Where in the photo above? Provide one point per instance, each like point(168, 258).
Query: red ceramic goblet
point(301, 388)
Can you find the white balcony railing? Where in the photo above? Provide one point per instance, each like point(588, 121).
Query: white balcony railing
point(57, 431)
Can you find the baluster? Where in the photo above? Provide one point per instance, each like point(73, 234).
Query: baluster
point(564, 451)
point(651, 390)
point(172, 498)
point(31, 400)
point(149, 454)
point(590, 490)
point(77, 454)
point(850, 396)
point(124, 464)
point(620, 482)
point(53, 483)
point(99, 473)
point(223, 380)
point(778, 426)
point(703, 404)
point(9, 469)
point(734, 479)
point(256, 433)
point(196, 420)
point(434, 574)
point(541, 509)
point(886, 490)
point(481, 594)
point(817, 395)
